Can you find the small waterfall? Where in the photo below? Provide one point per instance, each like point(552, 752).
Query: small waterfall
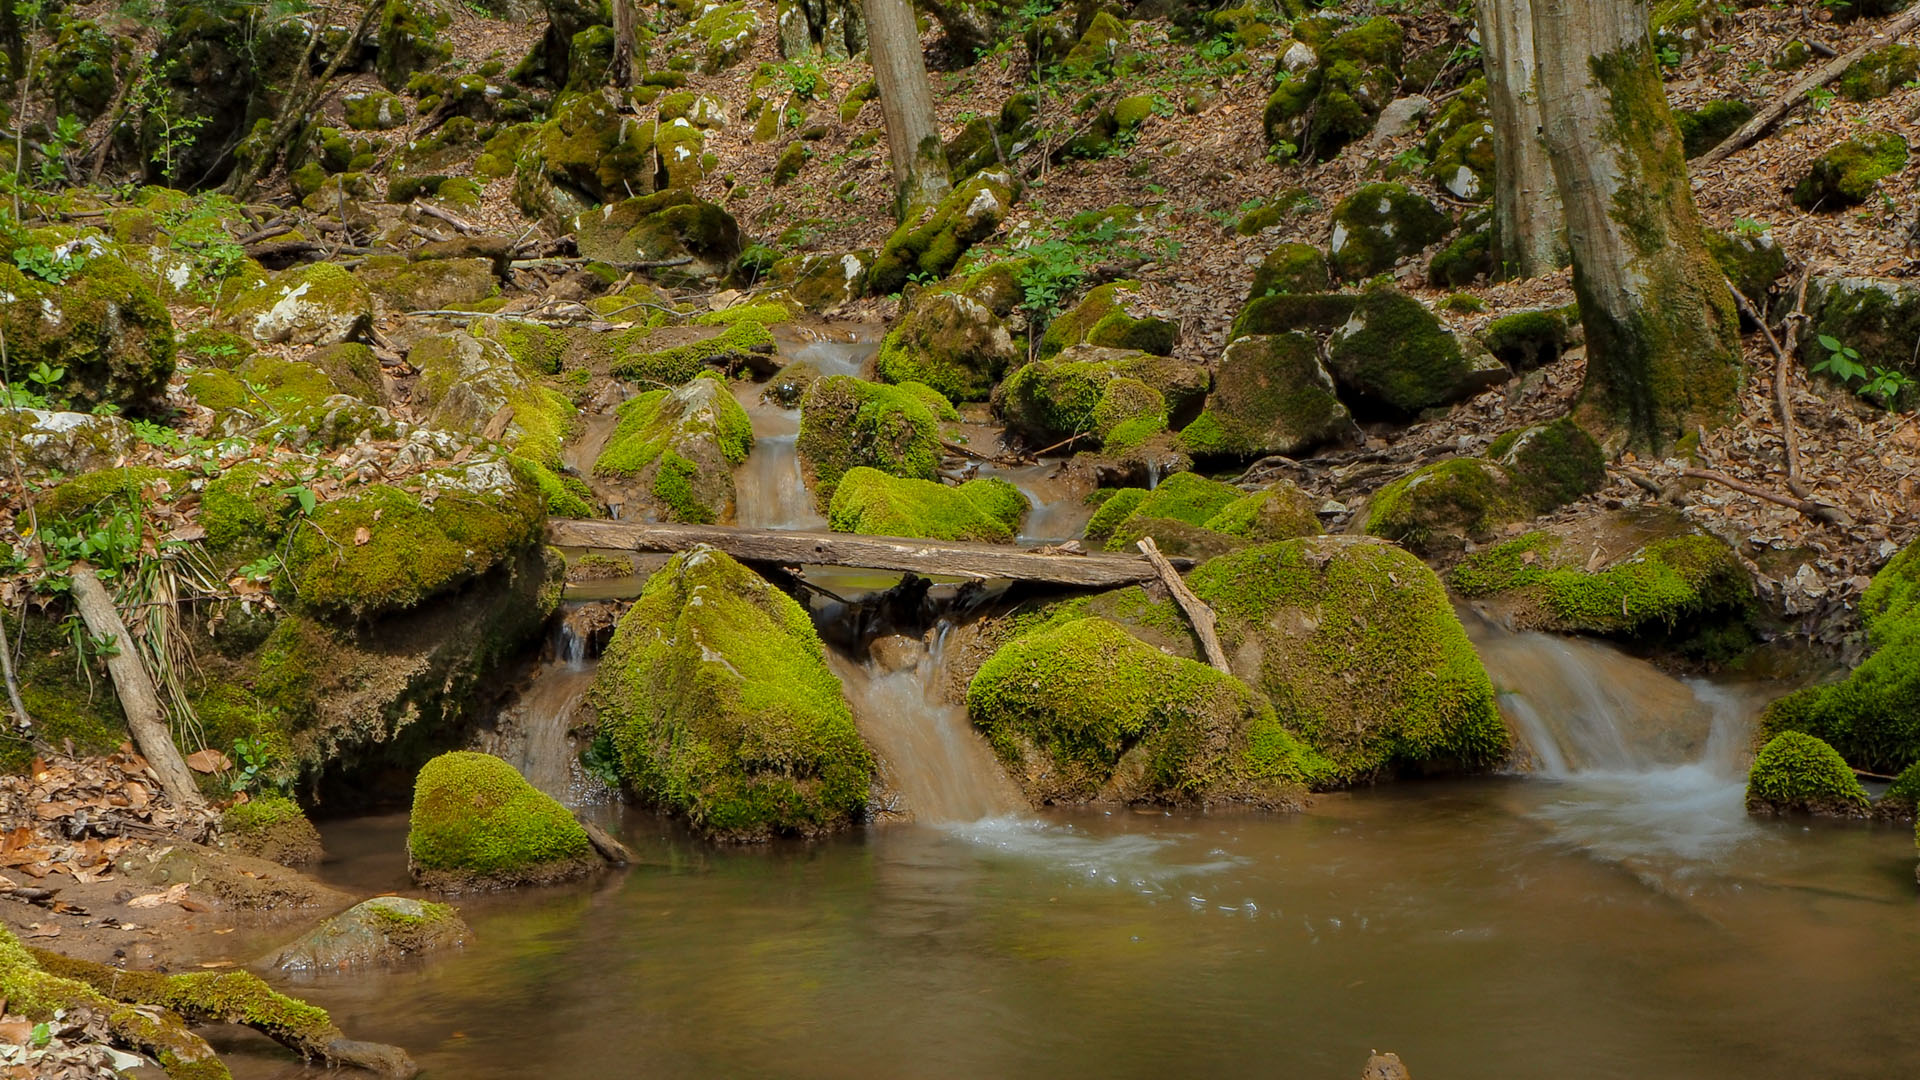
point(1059, 501)
point(929, 753)
point(770, 491)
point(533, 731)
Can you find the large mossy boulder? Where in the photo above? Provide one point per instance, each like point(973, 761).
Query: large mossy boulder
point(671, 356)
point(931, 243)
point(1049, 400)
point(948, 341)
point(1551, 464)
point(1331, 95)
point(374, 932)
point(672, 453)
point(1082, 710)
point(1797, 773)
point(1358, 647)
point(477, 824)
point(1880, 72)
point(1377, 226)
point(1879, 318)
point(386, 548)
point(1850, 173)
point(472, 385)
point(429, 284)
point(1115, 315)
point(1444, 506)
point(593, 151)
point(1526, 340)
point(717, 698)
point(409, 40)
point(48, 442)
point(1872, 717)
point(662, 227)
point(315, 304)
point(869, 501)
point(100, 322)
point(1393, 356)
point(847, 422)
point(1271, 395)
point(1290, 268)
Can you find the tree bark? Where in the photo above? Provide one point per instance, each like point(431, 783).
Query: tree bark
point(906, 101)
point(1528, 226)
point(625, 68)
point(1663, 348)
point(1198, 613)
point(145, 720)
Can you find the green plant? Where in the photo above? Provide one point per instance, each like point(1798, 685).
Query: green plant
point(1842, 362)
point(152, 98)
point(1887, 385)
point(1821, 98)
point(40, 261)
point(1750, 227)
point(158, 435)
point(46, 378)
point(253, 769)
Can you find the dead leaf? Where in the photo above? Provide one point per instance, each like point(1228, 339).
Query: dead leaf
point(361, 535)
point(209, 761)
point(171, 895)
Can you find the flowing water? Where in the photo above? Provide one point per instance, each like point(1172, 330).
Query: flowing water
point(1060, 508)
point(771, 491)
point(1611, 914)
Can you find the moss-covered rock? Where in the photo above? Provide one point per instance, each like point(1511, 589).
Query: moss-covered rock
point(869, 501)
point(273, 828)
point(1279, 511)
point(640, 357)
point(1751, 263)
point(1463, 163)
point(725, 33)
point(477, 824)
point(672, 453)
point(466, 383)
point(1708, 126)
point(1797, 773)
point(1049, 400)
point(100, 322)
point(374, 110)
point(1849, 173)
point(1290, 268)
point(1358, 647)
point(717, 697)
point(1526, 340)
point(1083, 710)
point(409, 42)
point(1551, 464)
point(1377, 226)
point(1333, 94)
point(428, 285)
point(592, 151)
point(950, 342)
point(1879, 318)
point(1395, 357)
point(1442, 506)
point(443, 528)
point(1114, 315)
point(664, 226)
point(382, 930)
point(846, 422)
point(930, 245)
point(821, 282)
point(1467, 258)
point(1880, 72)
point(315, 304)
point(1872, 717)
point(1271, 395)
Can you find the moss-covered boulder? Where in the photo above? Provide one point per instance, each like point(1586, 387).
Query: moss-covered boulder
point(1751, 263)
point(1290, 268)
point(872, 502)
point(88, 313)
point(1671, 584)
point(1850, 173)
point(1049, 400)
point(1357, 645)
point(1392, 356)
point(592, 151)
point(374, 932)
point(1880, 72)
point(1271, 395)
point(273, 828)
point(374, 110)
point(1441, 507)
point(822, 282)
point(931, 243)
point(427, 285)
point(1333, 93)
point(1879, 318)
point(1708, 126)
point(672, 453)
point(1082, 710)
point(1465, 259)
point(662, 227)
point(1279, 511)
point(716, 695)
point(672, 356)
point(1377, 226)
point(948, 341)
point(1115, 315)
point(385, 548)
point(315, 304)
point(477, 824)
point(472, 385)
point(847, 422)
point(410, 41)
point(1797, 773)
point(1872, 717)
point(47, 442)
point(1526, 340)
point(1551, 464)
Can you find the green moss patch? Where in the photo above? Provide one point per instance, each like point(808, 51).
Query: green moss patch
point(1797, 773)
point(476, 822)
point(1850, 173)
point(677, 448)
point(1048, 400)
point(869, 501)
point(847, 422)
point(1271, 395)
point(1105, 317)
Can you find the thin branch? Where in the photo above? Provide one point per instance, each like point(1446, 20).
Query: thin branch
point(1782, 403)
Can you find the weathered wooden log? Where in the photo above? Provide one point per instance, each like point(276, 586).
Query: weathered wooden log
point(1198, 612)
point(925, 557)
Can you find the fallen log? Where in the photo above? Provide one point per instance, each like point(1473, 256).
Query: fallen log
point(610, 849)
point(925, 557)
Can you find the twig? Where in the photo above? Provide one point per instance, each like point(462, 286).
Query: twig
point(1818, 511)
point(580, 260)
point(1783, 104)
point(455, 220)
point(975, 455)
point(1198, 612)
point(1781, 401)
point(1075, 437)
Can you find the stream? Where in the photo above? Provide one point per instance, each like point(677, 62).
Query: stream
point(1608, 912)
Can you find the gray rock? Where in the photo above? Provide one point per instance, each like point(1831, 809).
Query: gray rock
point(377, 931)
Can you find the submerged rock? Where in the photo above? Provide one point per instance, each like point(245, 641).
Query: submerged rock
point(672, 453)
point(716, 695)
point(870, 501)
point(1083, 710)
point(477, 824)
point(377, 931)
point(272, 828)
point(1797, 773)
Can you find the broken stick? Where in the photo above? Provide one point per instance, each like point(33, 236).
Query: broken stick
point(1197, 611)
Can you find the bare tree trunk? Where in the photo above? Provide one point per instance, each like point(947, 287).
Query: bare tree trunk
point(625, 68)
point(906, 100)
point(1528, 226)
point(299, 104)
point(145, 720)
point(1663, 349)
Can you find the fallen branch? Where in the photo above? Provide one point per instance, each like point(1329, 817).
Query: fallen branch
point(580, 260)
point(956, 448)
point(1818, 511)
point(603, 842)
point(1781, 401)
point(146, 721)
point(1198, 613)
point(459, 223)
point(1783, 104)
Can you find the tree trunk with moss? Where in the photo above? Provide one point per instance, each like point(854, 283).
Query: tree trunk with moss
point(625, 68)
point(1663, 348)
point(906, 100)
point(1528, 227)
